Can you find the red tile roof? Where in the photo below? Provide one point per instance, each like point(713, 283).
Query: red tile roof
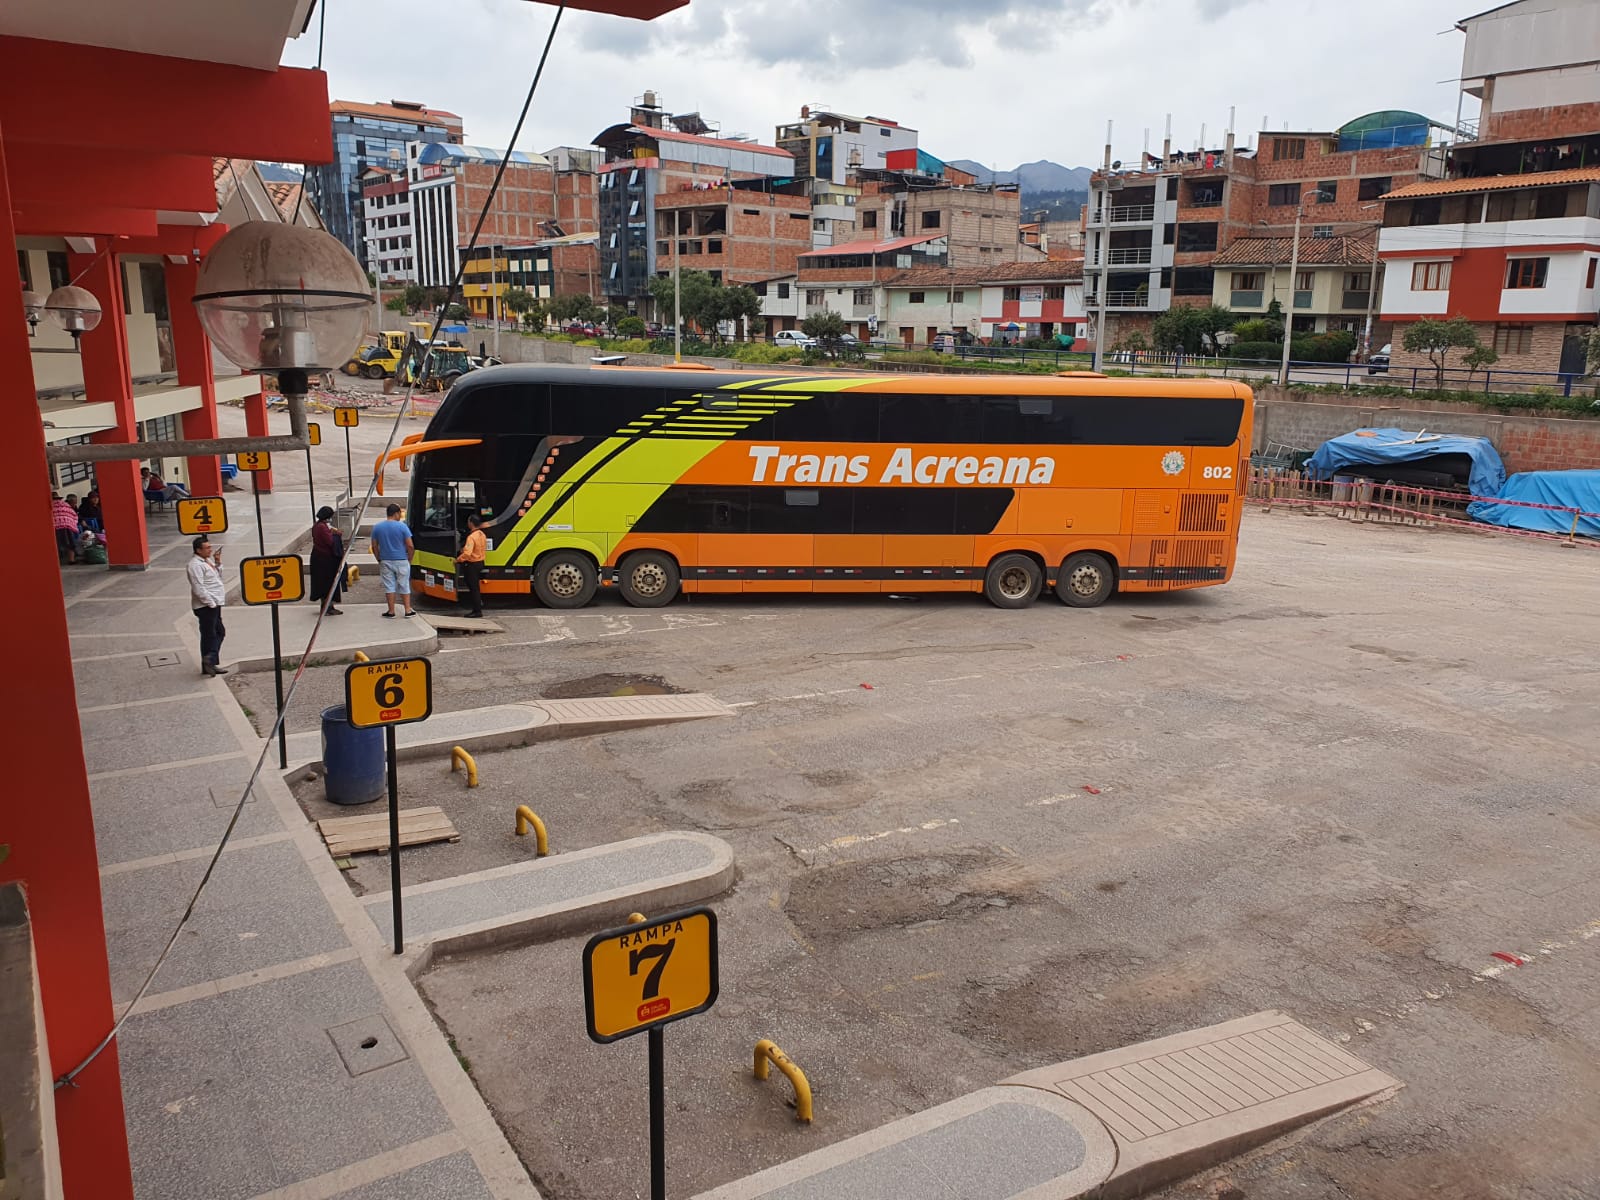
point(872, 247)
point(1314, 252)
point(389, 112)
point(1496, 183)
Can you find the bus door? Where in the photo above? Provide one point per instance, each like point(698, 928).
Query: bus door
point(441, 526)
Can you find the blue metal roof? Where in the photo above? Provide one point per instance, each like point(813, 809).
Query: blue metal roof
point(447, 152)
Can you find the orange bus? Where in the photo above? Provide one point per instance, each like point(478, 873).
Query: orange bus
point(656, 481)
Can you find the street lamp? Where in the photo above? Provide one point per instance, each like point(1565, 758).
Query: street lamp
point(1294, 269)
point(285, 299)
point(74, 309)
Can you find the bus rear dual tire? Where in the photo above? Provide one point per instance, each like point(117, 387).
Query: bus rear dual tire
point(1086, 580)
point(570, 578)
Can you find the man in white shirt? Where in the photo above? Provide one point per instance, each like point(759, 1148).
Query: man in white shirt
point(207, 594)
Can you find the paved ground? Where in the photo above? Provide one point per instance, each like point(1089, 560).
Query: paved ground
point(1337, 786)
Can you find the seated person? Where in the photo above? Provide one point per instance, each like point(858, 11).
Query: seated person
point(156, 489)
point(64, 516)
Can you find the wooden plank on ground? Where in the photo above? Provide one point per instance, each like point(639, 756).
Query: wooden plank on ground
point(359, 835)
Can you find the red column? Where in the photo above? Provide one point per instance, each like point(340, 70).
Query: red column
point(255, 424)
point(52, 851)
point(107, 377)
point(193, 352)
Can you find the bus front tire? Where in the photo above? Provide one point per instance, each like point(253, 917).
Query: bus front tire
point(565, 579)
point(648, 579)
point(1086, 580)
point(1013, 581)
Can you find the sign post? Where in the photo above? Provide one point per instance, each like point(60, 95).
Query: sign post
point(274, 581)
point(256, 461)
point(639, 978)
point(347, 419)
point(387, 694)
point(313, 438)
point(202, 514)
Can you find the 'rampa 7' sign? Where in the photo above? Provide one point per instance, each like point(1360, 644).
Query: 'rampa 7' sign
point(901, 465)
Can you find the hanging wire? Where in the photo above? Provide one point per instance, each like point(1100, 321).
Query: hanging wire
point(69, 1078)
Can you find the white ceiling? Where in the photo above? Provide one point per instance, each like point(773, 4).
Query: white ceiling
point(247, 33)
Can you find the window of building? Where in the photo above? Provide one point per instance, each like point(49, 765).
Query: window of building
point(759, 289)
point(1281, 195)
point(1288, 148)
point(1249, 281)
point(1056, 291)
point(1373, 187)
point(931, 219)
point(1430, 276)
point(1169, 235)
point(1198, 237)
point(814, 298)
point(60, 271)
point(959, 297)
point(25, 272)
point(1527, 272)
point(1304, 281)
point(1593, 263)
point(819, 222)
point(1193, 281)
point(1328, 191)
point(1011, 293)
point(1513, 339)
point(68, 474)
point(713, 245)
point(783, 291)
point(862, 296)
point(799, 217)
point(1322, 232)
point(1172, 188)
point(915, 298)
point(869, 219)
point(1358, 281)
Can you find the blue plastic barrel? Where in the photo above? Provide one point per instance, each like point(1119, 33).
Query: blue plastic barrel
point(352, 760)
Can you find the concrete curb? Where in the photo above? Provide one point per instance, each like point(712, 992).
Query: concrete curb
point(584, 913)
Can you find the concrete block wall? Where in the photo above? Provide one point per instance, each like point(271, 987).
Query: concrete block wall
point(1543, 354)
point(1525, 443)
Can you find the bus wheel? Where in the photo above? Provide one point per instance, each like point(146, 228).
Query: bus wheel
point(648, 579)
point(1013, 581)
point(1086, 579)
point(565, 579)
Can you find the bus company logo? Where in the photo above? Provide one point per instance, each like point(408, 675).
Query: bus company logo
point(1172, 462)
point(651, 1009)
point(903, 465)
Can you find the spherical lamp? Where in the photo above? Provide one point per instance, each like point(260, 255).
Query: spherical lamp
point(32, 309)
point(283, 298)
point(74, 309)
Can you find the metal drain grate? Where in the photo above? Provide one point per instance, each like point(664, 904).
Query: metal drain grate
point(167, 658)
point(367, 1044)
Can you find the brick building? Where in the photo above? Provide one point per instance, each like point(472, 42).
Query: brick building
point(829, 148)
point(735, 234)
point(1332, 289)
point(1510, 237)
point(1152, 235)
point(920, 196)
point(653, 155)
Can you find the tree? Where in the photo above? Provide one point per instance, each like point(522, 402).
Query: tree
point(631, 327)
point(415, 296)
point(616, 314)
point(455, 312)
point(1437, 338)
point(576, 307)
point(827, 327)
point(1479, 357)
point(737, 304)
point(706, 303)
point(1189, 329)
point(516, 300)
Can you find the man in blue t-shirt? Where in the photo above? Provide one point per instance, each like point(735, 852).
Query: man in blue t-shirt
point(391, 546)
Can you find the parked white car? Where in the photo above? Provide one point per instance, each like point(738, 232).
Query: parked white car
point(795, 338)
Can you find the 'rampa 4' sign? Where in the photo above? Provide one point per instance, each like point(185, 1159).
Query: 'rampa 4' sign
point(900, 466)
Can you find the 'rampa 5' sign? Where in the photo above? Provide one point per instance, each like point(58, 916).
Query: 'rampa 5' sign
point(771, 465)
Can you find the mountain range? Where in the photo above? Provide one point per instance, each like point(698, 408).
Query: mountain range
point(1033, 177)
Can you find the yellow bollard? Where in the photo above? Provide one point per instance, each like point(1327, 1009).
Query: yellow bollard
point(1572, 536)
point(526, 819)
point(460, 758)
point(635, 918)
point(767, 1049)
point(361, 657)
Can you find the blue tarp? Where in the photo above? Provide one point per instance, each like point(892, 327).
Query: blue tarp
point(1398, 445)
point(1567, 489)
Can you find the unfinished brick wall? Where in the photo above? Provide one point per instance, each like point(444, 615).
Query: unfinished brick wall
point(1525, 443)
point(1557, 121)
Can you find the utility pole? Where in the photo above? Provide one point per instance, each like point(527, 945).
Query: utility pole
point(494, 296)
point(1294, 269)
point(677, 296)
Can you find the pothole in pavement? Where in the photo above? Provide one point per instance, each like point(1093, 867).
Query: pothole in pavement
point(591, 686)
point(901, 892)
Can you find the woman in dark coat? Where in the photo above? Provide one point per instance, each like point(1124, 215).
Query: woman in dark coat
point(327, 548)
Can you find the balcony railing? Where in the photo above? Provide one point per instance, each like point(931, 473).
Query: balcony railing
point(1129, 299)
point(1129, 214)
point(1356, 300)
point(1204, 202)
point(1244, 300)
point(1117, 256)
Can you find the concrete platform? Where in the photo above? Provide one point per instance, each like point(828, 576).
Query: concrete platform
point(1110, 1125)
point(546, 897)
point(248, 646)
point(464, 624)
point(503, 725)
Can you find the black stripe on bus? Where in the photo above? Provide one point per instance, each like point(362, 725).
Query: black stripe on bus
point(875, 573)
point(802, 509)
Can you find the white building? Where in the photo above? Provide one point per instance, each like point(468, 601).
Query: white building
point(386, 226)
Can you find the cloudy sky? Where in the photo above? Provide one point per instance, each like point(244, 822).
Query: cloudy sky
point(1001, 81)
